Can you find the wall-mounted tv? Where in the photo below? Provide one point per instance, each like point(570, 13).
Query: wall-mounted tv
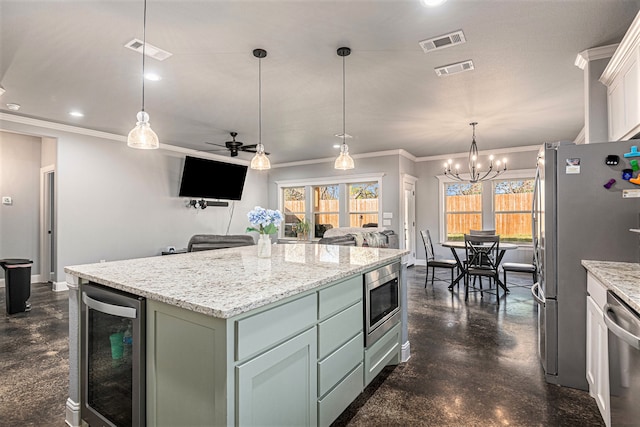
point(210, 179)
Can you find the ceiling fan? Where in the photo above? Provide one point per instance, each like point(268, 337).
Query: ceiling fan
point(234, 146)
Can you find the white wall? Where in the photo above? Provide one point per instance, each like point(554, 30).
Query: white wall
point(115, 203)
point(20, 180)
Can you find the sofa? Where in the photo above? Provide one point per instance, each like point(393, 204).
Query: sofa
point(205, 242)
point(356, 236)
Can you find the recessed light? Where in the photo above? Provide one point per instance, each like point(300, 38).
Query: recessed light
point(152, 77)
point(432, 3)
point(76, 114)
point(13, 107)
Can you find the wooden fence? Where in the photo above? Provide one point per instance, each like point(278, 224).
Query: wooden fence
point(355, 205)
point(510, 226)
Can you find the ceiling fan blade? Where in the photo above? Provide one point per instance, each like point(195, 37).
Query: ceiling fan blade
point(213, 143)
point(248, 147)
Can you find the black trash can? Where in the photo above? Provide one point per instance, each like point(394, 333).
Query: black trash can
point(17, 283)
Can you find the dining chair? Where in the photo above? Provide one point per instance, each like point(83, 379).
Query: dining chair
point(432, 262)
point(481, 253)
point(482, 232)
point(517, 267)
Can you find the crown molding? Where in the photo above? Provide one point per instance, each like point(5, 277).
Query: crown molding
point(29, 121)
point(628, 46)
point(521, 149)
point(593, 54)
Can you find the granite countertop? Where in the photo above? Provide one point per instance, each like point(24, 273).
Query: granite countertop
point(623, 278)
point(227, 282)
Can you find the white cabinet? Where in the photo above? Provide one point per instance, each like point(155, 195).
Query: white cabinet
point(622, 78)
point(597, 347)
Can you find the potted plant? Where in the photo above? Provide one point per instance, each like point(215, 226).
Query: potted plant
point(302, 229)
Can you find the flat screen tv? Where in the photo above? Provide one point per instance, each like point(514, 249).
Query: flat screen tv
point(210, 179)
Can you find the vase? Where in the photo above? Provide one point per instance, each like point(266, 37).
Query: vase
point(264, 246)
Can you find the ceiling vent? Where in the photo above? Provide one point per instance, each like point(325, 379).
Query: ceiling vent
point(456, 68)
point(150, 50)
point(441, 42)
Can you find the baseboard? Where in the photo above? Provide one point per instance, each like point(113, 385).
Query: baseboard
point(406, 352)
point(420, 262)
point(59, 286)
point(34, 279)
point(72, 413)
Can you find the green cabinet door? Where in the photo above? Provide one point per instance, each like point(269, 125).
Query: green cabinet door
point(278, 387)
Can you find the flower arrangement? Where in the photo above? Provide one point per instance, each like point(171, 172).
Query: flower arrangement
point(264, 221)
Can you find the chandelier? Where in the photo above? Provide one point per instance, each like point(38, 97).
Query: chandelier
point(475, 173)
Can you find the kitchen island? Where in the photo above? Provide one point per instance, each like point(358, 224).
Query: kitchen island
point(232, 339)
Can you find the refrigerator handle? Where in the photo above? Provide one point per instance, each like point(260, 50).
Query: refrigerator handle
point(613, 326)
point(103, 307)
point(534, 217)
point(535, 290)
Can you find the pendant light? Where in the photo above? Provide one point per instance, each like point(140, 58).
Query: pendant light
point(260, 161)
point(344, 160)
point(142, 136)
point(475, 175)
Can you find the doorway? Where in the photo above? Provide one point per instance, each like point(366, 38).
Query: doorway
point(409, 217)
point(47, 225)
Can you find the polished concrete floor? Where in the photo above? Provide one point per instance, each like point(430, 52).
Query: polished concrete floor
point(472, 364)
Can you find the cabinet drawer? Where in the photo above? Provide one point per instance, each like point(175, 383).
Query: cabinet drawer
point(597, 290)
point(339, 296)
point(336, 330)
point(337, 401)
point(339, 363)
point(267, 328)
point(385, 350)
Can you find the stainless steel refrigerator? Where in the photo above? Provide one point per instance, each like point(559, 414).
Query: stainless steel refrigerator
point(574, 218)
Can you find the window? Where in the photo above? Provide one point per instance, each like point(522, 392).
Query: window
point(330, 202)
point(363, 204)
point(294, 209)
point(501, 204)
point(463, 209)
point(512, 200)
point(326, 208)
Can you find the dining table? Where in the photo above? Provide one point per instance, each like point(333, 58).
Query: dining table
point(454, 245)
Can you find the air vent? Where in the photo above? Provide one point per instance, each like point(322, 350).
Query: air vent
point(151, 51)
point(456, 68)
point(441, 42)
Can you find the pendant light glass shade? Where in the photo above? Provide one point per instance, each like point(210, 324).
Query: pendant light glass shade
point(344, 160)
point(260, 161)
point(142, 136)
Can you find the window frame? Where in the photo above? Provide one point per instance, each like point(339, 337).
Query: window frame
point(350, 212)
point(343, 204)
point(488, 211)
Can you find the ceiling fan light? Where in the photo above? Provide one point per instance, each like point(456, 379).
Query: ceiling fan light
point(142, 136)
point(344, 160)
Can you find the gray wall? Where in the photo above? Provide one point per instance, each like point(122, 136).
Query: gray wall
point(115, 203)
point(428, 205)
point(20, 180)
point(389, 165)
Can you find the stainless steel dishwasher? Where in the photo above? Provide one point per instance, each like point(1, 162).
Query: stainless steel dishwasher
point(624, 361)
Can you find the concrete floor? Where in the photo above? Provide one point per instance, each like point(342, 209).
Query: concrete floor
point(472, 364)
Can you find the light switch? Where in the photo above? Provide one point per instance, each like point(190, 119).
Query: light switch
point(386, 222)
point(6, 200)
point(387, 215)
